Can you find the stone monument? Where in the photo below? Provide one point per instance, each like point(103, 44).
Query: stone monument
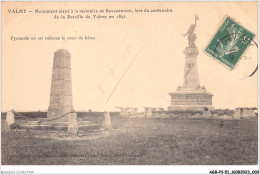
point(9, 120)
point(244, 113)
point(148, 112)
point(73, 123)
point(61, 88)
point(191, 96)
point(127, 111)
point(106, 122)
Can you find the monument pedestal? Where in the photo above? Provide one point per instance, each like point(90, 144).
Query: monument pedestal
point(190, 100)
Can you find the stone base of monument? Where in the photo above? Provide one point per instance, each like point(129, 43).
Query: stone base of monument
point(190, 100)
point(61, 124)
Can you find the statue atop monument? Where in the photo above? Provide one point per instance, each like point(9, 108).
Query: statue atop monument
point(191, 35)
point(191, 50)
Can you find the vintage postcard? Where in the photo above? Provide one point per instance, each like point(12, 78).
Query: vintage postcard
point(129, 83)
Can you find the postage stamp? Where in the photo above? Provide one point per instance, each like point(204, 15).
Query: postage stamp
point(229, 43)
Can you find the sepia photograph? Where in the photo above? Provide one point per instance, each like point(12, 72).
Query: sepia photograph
point(129, 83)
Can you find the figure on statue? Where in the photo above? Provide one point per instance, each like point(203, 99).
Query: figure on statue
point(191, 35)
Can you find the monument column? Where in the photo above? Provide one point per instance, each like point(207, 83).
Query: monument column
point(191, 75)
point(61, 88)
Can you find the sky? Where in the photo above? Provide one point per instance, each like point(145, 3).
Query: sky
point(154, 39)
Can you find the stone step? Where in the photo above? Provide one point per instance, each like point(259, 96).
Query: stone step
point(59, 124)
point(56, 123)
point(35, 126)
point(32, 122)
point(63, 119)
point(84, 122)
point(85, 125)
point(59, 120)
point(44, 127)
point(50, 127)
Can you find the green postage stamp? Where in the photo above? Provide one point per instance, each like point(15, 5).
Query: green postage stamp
point(229, 43)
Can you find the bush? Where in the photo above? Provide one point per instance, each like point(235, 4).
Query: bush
point(15, 126)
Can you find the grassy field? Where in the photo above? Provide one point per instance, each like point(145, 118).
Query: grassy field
point(138, 142)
